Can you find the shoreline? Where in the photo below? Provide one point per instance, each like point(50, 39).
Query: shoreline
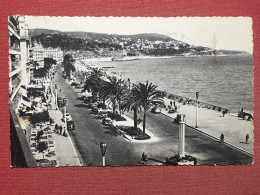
point(109, 72)
point(133, 58)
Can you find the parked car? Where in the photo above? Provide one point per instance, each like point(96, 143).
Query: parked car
point(68, 116)
point(107, 121)
point(156, 109)
point(75, 84)
point(70, 125)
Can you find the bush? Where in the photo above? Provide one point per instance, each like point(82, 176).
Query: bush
point(115, 116)
point(175, 159)
point(136, 133)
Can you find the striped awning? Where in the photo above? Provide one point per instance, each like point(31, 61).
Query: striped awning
point(28, 104)
point(23, 92)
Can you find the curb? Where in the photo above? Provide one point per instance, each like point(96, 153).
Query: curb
point(73, 146)
point(226, 143)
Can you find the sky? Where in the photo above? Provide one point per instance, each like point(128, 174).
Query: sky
point(230, 33)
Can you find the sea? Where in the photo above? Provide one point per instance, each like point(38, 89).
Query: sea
point(226, 81)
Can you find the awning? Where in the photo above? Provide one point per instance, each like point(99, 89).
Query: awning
point(37, 99)
point(28, 104)
point(23, 92)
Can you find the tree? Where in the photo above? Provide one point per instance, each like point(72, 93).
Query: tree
point(146, 96)
point(113, 90)
point(130, 102)
point(41, 147)
point(93, 84)
point(68, 64)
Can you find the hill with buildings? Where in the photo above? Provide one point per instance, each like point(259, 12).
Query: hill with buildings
point(110, 45)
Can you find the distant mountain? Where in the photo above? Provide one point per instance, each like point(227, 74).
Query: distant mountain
point(106, 45)
point(101, 36)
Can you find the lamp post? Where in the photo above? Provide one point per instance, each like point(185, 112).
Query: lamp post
point(64, 103)
point(56, 95)
point(129, 83)
point(182, 135)
point(103, 147)
point(197, 122)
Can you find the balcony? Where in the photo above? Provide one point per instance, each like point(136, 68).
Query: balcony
point(16, 83)
point(15, 65)
point(13, 29)
point(14, 49)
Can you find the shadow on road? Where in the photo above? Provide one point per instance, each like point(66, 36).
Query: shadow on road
point(111, 131)
point(78, 98)
point(155, 160)
point(81, 105)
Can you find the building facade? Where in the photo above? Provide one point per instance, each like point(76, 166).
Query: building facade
point(19, 72)
point(38, 53)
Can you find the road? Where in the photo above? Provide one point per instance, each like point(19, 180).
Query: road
point(90, 132)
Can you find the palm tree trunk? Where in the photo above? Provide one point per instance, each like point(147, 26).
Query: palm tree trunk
point(144, 120)
point(135, 118)
point(119, 107)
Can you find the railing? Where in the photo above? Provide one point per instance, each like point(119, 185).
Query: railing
point(16, 29)
point(14, 65)
point(190, 101)
point(16, 81)
point(21, 155)
point(15, 47)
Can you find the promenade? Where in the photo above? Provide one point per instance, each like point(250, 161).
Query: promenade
point(213, 123)
point(66, 154)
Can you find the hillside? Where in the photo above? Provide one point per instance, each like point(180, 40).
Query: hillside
point(107, 45)
point(100, 36)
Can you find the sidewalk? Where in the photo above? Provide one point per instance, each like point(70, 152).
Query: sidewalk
point(213, 123)
point(66, 154)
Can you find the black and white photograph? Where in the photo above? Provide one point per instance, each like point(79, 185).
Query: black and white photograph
point(130, 91)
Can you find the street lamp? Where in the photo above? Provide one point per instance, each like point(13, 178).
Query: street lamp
point(129, 83)
point(103, 147)
point(197, 97)
point(64, 103)
point(56, 94)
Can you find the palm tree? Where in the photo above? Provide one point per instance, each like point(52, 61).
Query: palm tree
point(130, 102)
point(114, 90)
point(145, 95)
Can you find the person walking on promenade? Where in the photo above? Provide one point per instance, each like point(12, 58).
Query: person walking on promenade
point(171, 103)
point(56, 128)
point(60, 89)
point(60, 129)
point(247, 138)
point(222, 137)
point(144, 158)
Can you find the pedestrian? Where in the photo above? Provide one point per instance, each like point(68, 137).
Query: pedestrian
point(56, 127)
point(171, 102)
point(222, 137)
point(60, 129)
point(174, 103)
point(64, 132)
point(60, 89)
point(144, 158)
point(247, 138)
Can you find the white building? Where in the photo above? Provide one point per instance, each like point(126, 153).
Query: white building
point(38, 53)
point(19, 72)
